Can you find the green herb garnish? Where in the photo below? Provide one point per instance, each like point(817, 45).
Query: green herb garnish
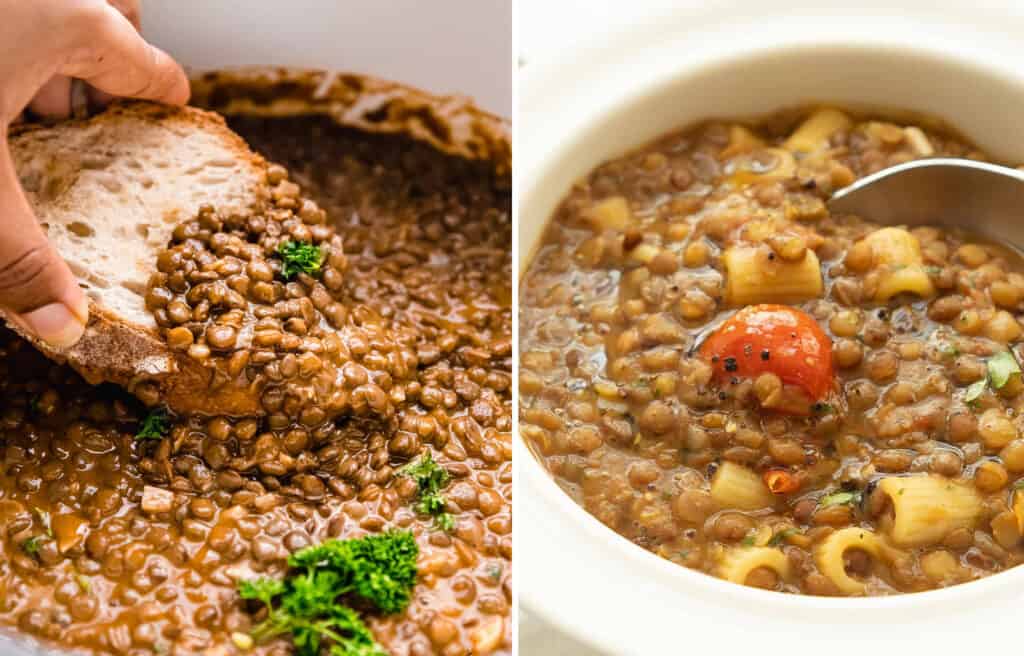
point(31, 545)
point(841, 498)
point(975, 390)
point(1019, 485)
point(83, 582)
point(1000, 367)
point(494, 572)
point(154, 426)
point(822, 408)
point(748, 541)
point(297, 257)
point(430, 478)
point(311, 604)
point(778, 538)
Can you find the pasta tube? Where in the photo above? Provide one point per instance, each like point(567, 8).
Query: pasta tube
point(896, 256)
point(752, 276)
point(737, 563)
point(829, 556)
point(816, 129)
point(926, 508)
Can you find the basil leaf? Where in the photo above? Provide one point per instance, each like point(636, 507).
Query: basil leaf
point(974, 390)
point(839, 499)
point(1000, 367)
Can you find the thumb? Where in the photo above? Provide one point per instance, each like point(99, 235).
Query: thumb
point(36, 286)
point(112, 56)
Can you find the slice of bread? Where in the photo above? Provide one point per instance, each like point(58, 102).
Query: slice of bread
point(109, 190)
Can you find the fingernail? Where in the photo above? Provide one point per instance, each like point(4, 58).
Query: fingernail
point(56, 324)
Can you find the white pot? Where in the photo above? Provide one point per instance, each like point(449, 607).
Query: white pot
point(959, 61)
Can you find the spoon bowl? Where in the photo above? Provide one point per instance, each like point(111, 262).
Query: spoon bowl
point(954, 193)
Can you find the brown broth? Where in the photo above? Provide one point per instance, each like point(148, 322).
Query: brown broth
point(619, 403)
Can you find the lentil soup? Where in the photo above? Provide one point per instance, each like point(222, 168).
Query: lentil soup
point(126, 530)
point(732, 378)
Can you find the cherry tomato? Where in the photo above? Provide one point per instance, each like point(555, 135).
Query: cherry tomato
point(781, 481)
point(774, 339)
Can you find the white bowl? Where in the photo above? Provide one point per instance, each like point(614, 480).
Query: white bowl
point(625, 87)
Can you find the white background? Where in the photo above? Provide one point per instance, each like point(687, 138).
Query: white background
point(444, 46)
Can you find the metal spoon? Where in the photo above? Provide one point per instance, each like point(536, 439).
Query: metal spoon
point(981, 197)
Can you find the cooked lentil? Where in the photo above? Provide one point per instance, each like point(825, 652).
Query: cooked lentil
point(869, 381)
point(400, 346)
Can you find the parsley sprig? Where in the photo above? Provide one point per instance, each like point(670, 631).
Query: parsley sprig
point(840, 498)
point(154, 426)
point(430, 479)
point(298, 257)
point(311, 602)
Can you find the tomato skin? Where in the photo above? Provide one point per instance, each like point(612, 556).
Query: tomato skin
point(774, 339)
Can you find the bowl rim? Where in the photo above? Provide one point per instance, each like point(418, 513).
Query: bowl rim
point(576, 606)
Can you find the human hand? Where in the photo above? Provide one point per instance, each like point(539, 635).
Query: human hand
point(43, 45)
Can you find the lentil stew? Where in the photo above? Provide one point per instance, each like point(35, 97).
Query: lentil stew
point(126, 530)
point(730, 377)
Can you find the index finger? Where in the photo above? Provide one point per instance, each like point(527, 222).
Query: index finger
point(109, 54)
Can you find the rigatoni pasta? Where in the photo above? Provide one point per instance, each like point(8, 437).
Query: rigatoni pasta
point(737, 563)
point(897, 264)
point(753, 274)
point(830, 556)
point(927, 508)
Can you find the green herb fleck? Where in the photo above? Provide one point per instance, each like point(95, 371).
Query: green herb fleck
point(1001, 366)
point(822, 408)
point(494, 571)
point(83, 582)
point(949, 350)
point(31, 545)
point(975, 390)
point(154, 426)
point(297, 257)
point(748, 541)
point(430, 478)
point(840, 498)
point(1019, 485)
point(780, 537)
point(44, 518)
point(312, 603)
point(933, 270)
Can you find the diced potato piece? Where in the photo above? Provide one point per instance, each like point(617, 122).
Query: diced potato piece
point(940, 566)
point(612, 213)
point(754, 275)
point(896, 256)
point(741, 140)
point(816, 129)
point(734, 486)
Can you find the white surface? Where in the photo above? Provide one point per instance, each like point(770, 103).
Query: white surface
point(443, 46)
point(616, 90)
